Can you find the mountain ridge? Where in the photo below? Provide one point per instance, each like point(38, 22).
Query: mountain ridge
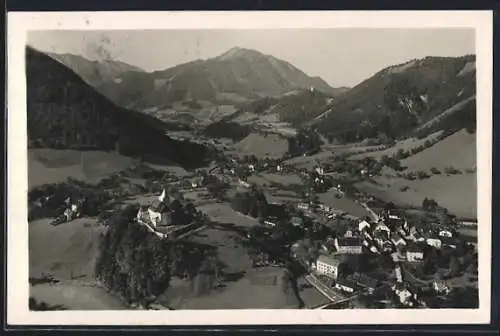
point(67, 113)
point(94, 72)
point(399, 98)
point(237, 75)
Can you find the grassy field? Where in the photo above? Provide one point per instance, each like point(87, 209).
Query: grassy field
point(457, 193)
point(458, 151)
point(55, 165)
point(245, 287)
point(344, 204)
point(69, 252)
point(67, 249)
point(407, 144)
point(74, 296)
point(260, 145)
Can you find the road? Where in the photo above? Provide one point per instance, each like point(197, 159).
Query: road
point(324, 289)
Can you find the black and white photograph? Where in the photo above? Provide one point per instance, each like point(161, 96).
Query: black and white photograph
point(183, 167)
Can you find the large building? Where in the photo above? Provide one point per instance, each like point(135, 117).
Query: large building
point(349, 245)
point(328, 266)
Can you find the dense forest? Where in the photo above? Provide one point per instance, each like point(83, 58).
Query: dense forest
point(230, 130)
point(304, 142)
point(137, 265)
point(398, 100)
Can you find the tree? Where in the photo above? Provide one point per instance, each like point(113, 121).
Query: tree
point(190, 208)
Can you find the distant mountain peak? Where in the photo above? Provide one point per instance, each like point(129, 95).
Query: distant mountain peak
point(238, 52)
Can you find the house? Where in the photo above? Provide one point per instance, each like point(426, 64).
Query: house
point(345, 285)
point(434, 242)
point(363, 225)
point(415, 252)
point(303, 206)
point(244, 184)
point(374, 249)
point(406, 297)
point(382, 227)
point(418, 237)
point(348, 233)
point(349, 245)
point(197, 182)
point(441, 288)
point(445, 233)
point(297, 221)
point(329, 266)
point(319, 170)
point(366, 282)
point(271, 221)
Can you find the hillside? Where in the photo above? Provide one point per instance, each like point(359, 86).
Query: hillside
point(399, 99)
point(456, 191)
point(94, 72)
point(458, 151)
point(236, 76)
point(295, 107)
point(64, 112)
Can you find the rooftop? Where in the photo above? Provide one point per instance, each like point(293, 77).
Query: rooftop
point(328, 260)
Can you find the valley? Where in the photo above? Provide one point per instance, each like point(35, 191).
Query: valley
point(269, 167)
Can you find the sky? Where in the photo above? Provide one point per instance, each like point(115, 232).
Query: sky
point(342, 57)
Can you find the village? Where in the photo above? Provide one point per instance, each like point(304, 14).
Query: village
point(383, 259)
